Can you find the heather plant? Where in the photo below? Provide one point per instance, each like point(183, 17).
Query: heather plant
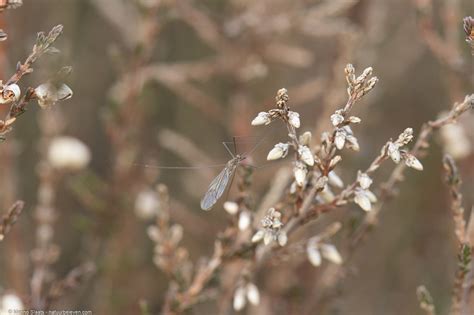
point(333, 208)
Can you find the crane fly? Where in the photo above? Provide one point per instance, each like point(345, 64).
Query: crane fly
point(221, 181)
point(219, 184)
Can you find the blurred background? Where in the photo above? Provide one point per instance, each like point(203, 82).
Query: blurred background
point(165, 82)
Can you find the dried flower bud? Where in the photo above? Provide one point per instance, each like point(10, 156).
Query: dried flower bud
point(314, 256)
point(340, 139)
point(300, 172)
point(352, 143)
point(147, 204)
point(364, 180)
point(280, 150)
point(263, 118)
point(305, 138)
point(294, 119)
point(455, 141)
point(258, 236)
point(321, 182)
point(68, 153)
point(282, 238)
point(49, 94)
point(334, 161)
point(253, 295)
point(336, 119)
point(362, 199)
point(239, 298)
point(245, 219)
point(354, 120)
point(306, 155)
point(331, 253)
point(10, 93)
point(413, 162)
point(393, 151)
point(231, 207)
point(335, 180)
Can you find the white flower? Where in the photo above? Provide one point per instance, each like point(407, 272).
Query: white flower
point(246, 292)
point(300, 172)
point(456, 143)
point(413, 162)
point(335, 180)
point(147, 204)
point(263, 118)
point(393, 151)
point(49, 94)
point(294, 119)
point(231, 207)
point(364, 180)
point(10, 304)
point(306, 155)
point(68, 153)
point(362, 199)
point(280, 150)
point(10, 93)
point(336, 119)
point(244, 220)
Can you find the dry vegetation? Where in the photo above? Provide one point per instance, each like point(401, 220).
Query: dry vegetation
point(120, 231)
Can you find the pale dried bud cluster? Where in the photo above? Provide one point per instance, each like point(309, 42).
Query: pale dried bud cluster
point(361, 85)
point(282, 111)
point(68, 153)
point(246, 292)
point(345, 137)
point(167, 254)
point(362, 195)
point(396, 153)
point(271, 229)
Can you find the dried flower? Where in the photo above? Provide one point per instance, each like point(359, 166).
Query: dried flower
point(263, 118)
point(393, 150)
point(247, 292)
point(413, 162)
point(68, 153)
point(305, 138)
point(280, 150)
point(364, 180)
point(9, 93)
point(271, 229)
point(49, 94)
point(300, 172)
point(294, 119)
point(245, 219)
point(147, 204)
point(455, 140)
point(364, 198)
point(335, 180)
point(231, 207)
point(316, 250)
point(306, 155)
point(337, 118)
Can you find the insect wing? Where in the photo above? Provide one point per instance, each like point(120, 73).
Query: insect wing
point(217, 186)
